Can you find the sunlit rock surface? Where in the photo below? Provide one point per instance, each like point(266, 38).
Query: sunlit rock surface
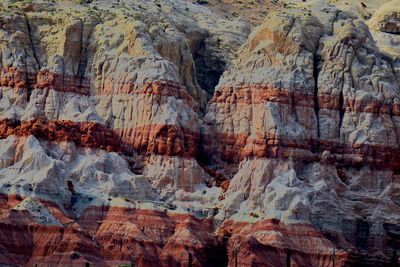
point(210, 133)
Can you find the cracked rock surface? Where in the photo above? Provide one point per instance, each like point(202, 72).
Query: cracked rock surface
point(176, 133)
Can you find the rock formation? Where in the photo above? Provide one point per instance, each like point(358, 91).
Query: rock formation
point(169, 133)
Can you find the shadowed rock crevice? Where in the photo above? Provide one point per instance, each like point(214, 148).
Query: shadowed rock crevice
point(32, 46)
point(341, 111)
point(83, 56)
point(316, 62)
point(209, 67)
point(29, 28)
point(218, 255)
point(114, 156)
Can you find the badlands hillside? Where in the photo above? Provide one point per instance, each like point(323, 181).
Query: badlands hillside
point(200, 133)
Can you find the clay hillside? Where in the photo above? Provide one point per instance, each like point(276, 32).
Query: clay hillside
point(200, 133)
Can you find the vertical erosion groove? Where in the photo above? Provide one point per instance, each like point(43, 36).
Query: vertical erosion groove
point(317, 59)
point(341, 111)
point(28, 26)
point(82, 56)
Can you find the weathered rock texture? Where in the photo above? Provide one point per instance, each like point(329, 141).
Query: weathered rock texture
point(305, 126)
point(120, 140)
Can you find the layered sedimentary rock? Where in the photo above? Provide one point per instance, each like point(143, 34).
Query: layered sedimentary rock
point(103, 107)
point(104, 236)
point(121, 143)
point(307, 119)
point(268, 241)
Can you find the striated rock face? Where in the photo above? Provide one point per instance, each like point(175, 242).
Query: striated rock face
point(164, 133)
point(305, 126)
point(268, 241)
point(259, 100)
point(104, 236)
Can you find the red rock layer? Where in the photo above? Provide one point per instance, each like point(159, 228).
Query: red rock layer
point(261, 93)
point(236, 147)
point(106, 236)
point(49, 80)
point(86, 134)
point(268, 243)
point(20, 79)
point(173, 140)
point(13, 77)
point(246, 94)
point(149, 139)
point(160, 139)
point(158, 88)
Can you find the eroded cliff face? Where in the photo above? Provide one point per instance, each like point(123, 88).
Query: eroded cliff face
point(120, 141)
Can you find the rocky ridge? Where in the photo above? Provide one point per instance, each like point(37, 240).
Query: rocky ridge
point(110, 147)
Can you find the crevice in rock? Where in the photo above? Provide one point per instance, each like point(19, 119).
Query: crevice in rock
point(332, 26)
point(28, 81)
point(341, 110)
point(28, 25)
point(218, 255)
point(209, 67)
point(29, 84)
point(316, 61)
point(82, 62)
point(362, 230)
point(294, 110)
point(83, 54)
point(292, 22)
